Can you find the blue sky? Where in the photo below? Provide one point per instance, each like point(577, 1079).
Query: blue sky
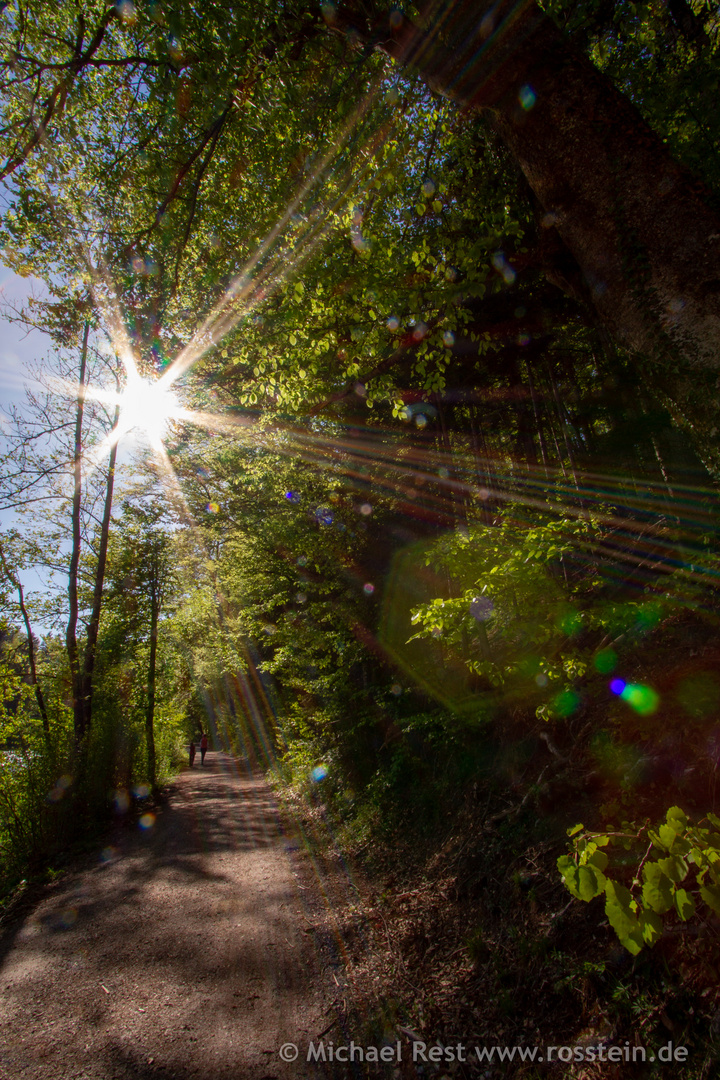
point(17, 346)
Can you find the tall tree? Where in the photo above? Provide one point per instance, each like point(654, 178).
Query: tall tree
point(641, 232)
point(143, 577)
point(13, 579)
point(59, 467)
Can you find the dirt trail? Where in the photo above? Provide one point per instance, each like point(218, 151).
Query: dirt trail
point(191, 949)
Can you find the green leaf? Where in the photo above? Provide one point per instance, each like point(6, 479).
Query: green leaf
point(711, 896)
point(667, 836)
point(697, 857)
point(684, 904)
point(575, 829)
point(676, 818)
point(652, 871)
point(598, 859)
point(651, 926)
point(591, 882)
point(569, 872)
point(622, 917)
point(584, 882)
point(658, 894)
point(653, 836)
point(675, 867)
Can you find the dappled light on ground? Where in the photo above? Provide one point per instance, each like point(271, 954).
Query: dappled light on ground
point(192, 947)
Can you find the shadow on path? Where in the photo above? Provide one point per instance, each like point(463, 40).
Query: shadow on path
point(183, 951)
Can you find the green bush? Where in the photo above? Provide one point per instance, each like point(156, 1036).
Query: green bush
point(672, 871)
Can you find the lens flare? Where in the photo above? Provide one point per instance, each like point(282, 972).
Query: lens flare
point(146, 407)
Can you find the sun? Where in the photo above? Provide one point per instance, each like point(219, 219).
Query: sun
point(147, 408)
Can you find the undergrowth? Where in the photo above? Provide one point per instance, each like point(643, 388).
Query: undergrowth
point(469, 932)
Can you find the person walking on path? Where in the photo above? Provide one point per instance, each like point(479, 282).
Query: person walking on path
point(203, 747)
point(192, 751)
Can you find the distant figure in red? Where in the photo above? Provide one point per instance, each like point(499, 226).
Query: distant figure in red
point(192, 752)
point(203, 747)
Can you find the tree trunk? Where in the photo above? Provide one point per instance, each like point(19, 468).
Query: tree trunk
point(15, 581)
point(562, 420)
point(150, 713)
point(94, 624)
point(524, 439)
point(639, 227)
point(538, 422)
point(71, 630)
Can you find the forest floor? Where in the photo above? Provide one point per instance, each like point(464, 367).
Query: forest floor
point(232, 925)
point(194, 947)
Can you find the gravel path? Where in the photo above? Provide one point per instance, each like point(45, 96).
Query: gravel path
point(190, 949)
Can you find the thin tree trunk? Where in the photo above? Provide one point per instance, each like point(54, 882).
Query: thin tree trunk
point(663, 470)
point(94, 624)
point(525, 442)
point(558, 454)
point(14, 580)
point(459, 509)
point(71, 630)
point(152, 664)
point(538, 424)
point(563, 426)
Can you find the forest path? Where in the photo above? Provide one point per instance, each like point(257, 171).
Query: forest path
point(187, 951)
